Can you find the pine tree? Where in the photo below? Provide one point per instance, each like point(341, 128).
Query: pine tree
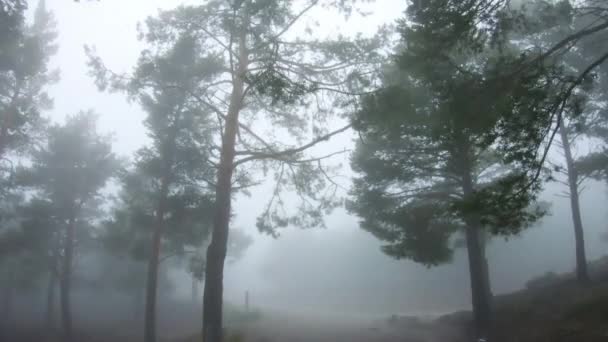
point(168, 192)
point(434, 156)
point(24, 77)
point(69, 171)
point(258, 74)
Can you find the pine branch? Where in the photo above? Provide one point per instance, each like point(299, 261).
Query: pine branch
point(559, 113)
point(276, 37)
point(292, 151)
point(572, 38)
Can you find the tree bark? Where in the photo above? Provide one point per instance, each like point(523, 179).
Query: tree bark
point(582, 273)
point(478, 268)
point(153, 263)
point(167, 154)
point(195, 297)
point(138, 303)
point(7, 305)
point(486, 267)
point(216, 251)
point(66, 277)
point(50, 302)
point(54, 273)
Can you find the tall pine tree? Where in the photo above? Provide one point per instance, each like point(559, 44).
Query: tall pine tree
point(69, 172)
point(265, 82)
point(432, 159)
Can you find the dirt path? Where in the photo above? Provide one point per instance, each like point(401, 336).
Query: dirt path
point(328, 328)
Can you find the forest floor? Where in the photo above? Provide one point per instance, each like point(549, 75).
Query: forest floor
point(552, 308)
point(294, 327)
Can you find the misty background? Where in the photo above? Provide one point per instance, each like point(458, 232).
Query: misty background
point(340, 268)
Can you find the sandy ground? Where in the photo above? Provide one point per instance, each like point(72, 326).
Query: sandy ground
point(280, 327)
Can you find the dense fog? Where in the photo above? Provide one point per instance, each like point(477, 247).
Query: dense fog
point(388, 170)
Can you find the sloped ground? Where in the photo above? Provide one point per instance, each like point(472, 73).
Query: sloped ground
point(557, 308)
point(552, 308)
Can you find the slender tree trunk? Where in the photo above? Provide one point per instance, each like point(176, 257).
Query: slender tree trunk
point(486, 267)
point(167, 154)
point(153, 263)
point(195, 296)
point(478, 269)
point(50, 302)
point(582, 273)
point(216, 252)
point(52, 284)
point(7, 305)
point(66, 277)
point(138, 303)
point(246, 301)
point(481, 297)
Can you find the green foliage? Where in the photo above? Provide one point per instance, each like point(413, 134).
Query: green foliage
point(11, 23)
point(290, 84)
point(174, 169)
point(29, 235)
point(504, 205)
point(25, 51)
point(441, 144)
point(63, 183)
point(73, 166)
point(594, 165)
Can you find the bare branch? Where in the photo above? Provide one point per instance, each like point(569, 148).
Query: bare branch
point(291, 23)
point(574, 37)
point(178, 253)
point(330, 179)
point(280, 154)
point(562, 104)
point(219, 41)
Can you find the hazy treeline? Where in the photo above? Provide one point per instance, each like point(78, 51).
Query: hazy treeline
point(457, 109)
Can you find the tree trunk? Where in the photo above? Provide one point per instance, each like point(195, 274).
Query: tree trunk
point(582, 273)
point(478, 269)
point(50, 302)
point(153, 264)
point(52, 284)
point(138, 303)
point(167, 154)
point(479, 283)
point(195, 297)
point(7, 305)
point(216, 252)
point(486, 267)
point(66, 277)
point(247, 301)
